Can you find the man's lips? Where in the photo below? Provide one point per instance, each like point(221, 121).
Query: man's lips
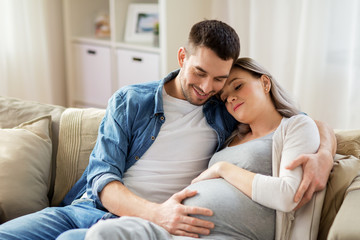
point(237, 106)
point(200, 94)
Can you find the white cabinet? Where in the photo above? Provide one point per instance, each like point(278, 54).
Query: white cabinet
point(136, 67)
point(92, 78)
point(93, 85)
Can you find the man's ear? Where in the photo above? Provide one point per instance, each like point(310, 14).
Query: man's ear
point(181, 56)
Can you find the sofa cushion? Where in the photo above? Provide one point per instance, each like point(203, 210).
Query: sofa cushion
point(14, 111)
point(348, 142)
point(25, 161)
point(345, 169)
point(346, 223)
point(77, 138)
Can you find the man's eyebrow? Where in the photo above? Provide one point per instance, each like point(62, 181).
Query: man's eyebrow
point(225, 76)
point(202, 70)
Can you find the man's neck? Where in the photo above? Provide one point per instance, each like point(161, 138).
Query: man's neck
point(173, 88)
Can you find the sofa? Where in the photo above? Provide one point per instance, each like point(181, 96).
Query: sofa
point(45, 148)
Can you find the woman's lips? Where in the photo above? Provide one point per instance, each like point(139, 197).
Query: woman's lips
point(237, 106)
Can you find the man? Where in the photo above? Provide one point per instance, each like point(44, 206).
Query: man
point(154, 139)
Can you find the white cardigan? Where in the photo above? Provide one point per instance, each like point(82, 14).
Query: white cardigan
point(294, 136)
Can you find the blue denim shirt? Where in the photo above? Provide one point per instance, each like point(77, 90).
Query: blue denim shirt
point(131, 123)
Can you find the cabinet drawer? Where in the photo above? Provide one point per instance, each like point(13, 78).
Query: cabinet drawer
point(137, 67)
point(92, 85)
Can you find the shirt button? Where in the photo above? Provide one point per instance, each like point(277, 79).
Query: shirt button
point(136, 158)
point(152, 138)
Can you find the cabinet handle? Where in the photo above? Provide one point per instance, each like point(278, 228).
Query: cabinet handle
point(93, 52)
point(137, 59)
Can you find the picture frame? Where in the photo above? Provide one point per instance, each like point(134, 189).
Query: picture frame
point(141, 21)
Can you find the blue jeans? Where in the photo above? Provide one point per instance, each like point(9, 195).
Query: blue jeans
point(50, 222)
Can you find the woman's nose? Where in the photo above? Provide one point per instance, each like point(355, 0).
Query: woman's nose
point(231, 98)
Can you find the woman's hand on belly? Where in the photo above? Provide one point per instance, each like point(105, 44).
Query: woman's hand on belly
point(174, 216)
point(236, 176)
point(210, 173)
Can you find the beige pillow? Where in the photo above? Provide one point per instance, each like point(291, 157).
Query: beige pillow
point(345, 169)
point(77, 138)
point(20, 111)
point(348, 142)
point(25, 160)
point(346, 223)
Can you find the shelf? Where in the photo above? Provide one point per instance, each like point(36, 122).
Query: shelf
point(92, 40)
point(138, 46)
point(106, 42)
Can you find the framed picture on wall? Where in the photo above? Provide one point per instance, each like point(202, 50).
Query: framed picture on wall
point(142, 19)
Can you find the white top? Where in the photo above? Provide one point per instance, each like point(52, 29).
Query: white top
point(278, 192)
point(295, 135)
point(180, 152)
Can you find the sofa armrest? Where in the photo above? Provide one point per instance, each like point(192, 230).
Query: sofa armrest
point(347, 221)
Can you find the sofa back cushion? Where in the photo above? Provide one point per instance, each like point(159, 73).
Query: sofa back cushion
point(348, 142)
point(25, 161)
point(14, 111)
point(341, 180)
point(77, 138)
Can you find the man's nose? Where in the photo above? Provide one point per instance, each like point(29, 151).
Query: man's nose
point(206, 86)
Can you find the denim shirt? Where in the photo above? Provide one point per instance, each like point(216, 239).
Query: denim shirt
point(131, 124)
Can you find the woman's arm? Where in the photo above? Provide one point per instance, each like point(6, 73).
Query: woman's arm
point(238, 177)
point(316, 166)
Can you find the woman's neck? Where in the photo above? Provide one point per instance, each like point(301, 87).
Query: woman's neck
point(265, 123)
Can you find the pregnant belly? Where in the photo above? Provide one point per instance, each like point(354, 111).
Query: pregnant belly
point(235, 214)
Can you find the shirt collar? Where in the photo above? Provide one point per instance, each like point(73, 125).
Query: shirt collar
point(159, 109)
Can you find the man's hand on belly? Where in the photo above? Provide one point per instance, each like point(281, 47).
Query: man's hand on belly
point(174, 216)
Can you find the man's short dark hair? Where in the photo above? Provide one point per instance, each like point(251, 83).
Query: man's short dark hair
point(217, 36)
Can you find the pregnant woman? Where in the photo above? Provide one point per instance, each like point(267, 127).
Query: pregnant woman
point(247, 185)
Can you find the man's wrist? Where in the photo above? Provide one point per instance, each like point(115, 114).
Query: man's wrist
point(325, 165)
point(326, 155)
point(151, 212)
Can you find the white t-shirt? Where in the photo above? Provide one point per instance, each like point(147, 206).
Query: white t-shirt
point(180, 152)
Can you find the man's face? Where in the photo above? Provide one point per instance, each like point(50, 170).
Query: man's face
point(202, 74)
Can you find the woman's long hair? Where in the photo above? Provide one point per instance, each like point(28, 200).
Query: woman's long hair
point(282, 102)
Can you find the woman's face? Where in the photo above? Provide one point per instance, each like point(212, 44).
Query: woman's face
point(245, 95)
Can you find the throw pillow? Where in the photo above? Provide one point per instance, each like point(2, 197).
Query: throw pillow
point(345, 169)
point(77, 138)
point(25, 160)
point(348, 142)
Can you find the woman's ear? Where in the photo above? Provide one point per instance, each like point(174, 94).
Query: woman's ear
point(266, 83)
point(181, 56)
